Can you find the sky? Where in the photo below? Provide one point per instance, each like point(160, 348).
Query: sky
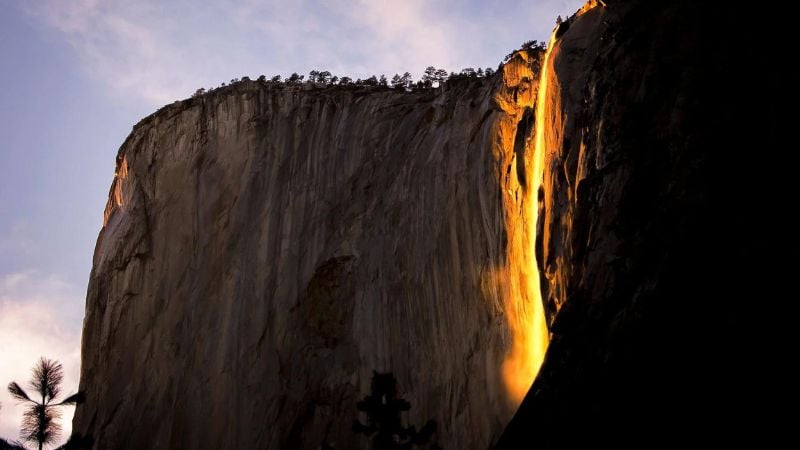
point(76, 75)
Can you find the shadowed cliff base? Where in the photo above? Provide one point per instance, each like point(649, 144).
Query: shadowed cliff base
point(663, 232)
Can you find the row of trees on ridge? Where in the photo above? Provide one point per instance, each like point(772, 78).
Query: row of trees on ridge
point(432, 77)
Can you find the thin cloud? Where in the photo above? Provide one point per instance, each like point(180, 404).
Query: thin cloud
point(17, 242)
point(159, 51)
point(118, 45)
point(356, 38)
point(36, 320)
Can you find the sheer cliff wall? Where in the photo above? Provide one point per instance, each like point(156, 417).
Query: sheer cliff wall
point(266, 248)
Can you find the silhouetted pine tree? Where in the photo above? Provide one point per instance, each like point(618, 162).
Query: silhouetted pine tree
point(39, 422)
point(384, 422)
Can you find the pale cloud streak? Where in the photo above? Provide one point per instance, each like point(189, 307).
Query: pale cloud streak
point(17, 243)
point(160, 51)
point(353, 37)
point(37, 318)
point(407, 33)
point(119, 45)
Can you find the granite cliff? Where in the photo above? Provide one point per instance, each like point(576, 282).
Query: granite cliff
point(266, 247)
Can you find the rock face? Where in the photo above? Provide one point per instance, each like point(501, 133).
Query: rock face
point(266, 248)
point(657, 225)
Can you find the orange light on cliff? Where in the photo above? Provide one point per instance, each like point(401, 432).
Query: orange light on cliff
point(115, 198)
point(526, 316)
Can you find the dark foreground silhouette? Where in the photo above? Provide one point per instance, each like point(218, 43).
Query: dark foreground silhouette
point(40, 419)
point(384, 422)
point(75, 442)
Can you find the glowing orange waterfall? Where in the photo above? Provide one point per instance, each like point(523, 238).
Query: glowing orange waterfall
point(526, 313)
point(524, 307)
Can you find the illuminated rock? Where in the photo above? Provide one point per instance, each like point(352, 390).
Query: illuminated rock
point(659, 220)
point(266, 248)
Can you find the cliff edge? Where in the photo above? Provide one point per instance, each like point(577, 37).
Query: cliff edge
point(266, 248)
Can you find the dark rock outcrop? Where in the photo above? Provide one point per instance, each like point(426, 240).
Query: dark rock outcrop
point(660, 230)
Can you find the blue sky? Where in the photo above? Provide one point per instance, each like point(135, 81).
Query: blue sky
point(78, 74)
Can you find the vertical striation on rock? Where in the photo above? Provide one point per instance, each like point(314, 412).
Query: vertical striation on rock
point(266, 248)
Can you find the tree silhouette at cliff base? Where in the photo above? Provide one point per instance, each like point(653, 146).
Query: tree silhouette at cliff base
point(384, 422)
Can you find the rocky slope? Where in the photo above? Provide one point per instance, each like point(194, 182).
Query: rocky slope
point(657, 230)
point(266, 248)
